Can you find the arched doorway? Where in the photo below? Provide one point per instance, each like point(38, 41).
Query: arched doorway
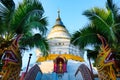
point(60, 64)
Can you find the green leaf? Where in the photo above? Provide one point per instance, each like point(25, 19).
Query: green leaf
point(36, 41)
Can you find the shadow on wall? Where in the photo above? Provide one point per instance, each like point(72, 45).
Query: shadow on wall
point(83, 73)
point(34, 73)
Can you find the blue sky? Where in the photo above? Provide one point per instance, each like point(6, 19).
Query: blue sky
point(71, 11)
point(71, 15)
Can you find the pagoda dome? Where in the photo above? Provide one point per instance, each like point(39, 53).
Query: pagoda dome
point(58, 30)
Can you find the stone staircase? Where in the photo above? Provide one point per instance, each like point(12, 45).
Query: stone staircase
point(54, 76)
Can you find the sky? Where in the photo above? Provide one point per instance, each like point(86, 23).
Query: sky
point(71, 12)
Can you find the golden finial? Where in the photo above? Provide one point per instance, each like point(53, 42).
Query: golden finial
point(58, 13)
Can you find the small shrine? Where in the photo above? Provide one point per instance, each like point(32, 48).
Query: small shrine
point(60, 65)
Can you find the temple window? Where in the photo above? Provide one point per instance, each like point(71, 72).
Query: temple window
point(59, 44)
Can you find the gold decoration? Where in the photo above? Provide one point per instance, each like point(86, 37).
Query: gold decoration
point(67, 56)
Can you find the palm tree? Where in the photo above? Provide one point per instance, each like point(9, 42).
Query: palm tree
point(28, 16)
point(23, 20)
point(105, 22)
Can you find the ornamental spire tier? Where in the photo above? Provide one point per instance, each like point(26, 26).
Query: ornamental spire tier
point(58, 30)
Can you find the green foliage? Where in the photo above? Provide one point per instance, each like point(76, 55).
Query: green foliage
point(36, 41)
point(84, 37)
point(105, 22)
point(27, 16)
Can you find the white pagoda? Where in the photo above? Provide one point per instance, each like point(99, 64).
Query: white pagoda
point(64, 59)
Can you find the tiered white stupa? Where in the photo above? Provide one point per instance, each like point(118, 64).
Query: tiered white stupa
point(59, 42)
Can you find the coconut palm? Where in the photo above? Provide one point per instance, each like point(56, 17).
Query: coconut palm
point(105, 22)
point(21, 21)
point(24, 19)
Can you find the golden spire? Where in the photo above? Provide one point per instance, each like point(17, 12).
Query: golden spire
point(58, 13)
point(58, 20)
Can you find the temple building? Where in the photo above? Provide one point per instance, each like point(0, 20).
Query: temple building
point(64, 59)
point(59, 40)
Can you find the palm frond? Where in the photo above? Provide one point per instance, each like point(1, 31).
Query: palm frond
point(84, 37)
point(97, 16)
point(6, 13)
point(23, 13)
point(102, 19)
point(9, 4)
point(3, 18)
point(36, 41)
point(38, 24)
point(110, 5)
